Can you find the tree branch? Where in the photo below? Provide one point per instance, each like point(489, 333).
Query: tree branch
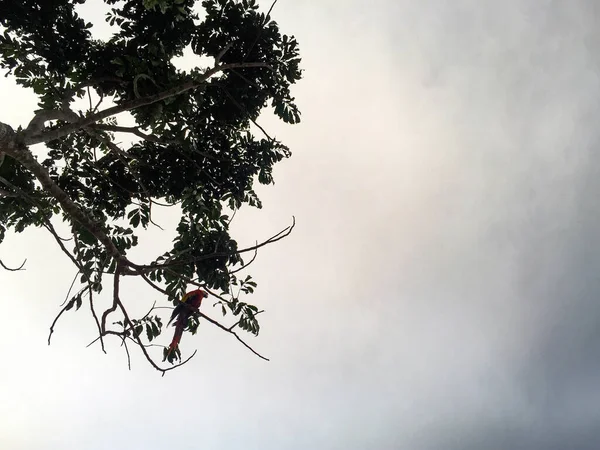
point(13, 270)
point(277, 237)
point(62, 311)
point(26, 158)
point(247, 264)
point(136, 103)
point(36, 125)
point(4, 193)
point(230, 331)
point(98, 322)
point(132, 130)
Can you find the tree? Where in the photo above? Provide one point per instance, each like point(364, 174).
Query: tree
point(196, 151)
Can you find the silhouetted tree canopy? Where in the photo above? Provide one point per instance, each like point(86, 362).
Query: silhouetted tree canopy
point(194, 149)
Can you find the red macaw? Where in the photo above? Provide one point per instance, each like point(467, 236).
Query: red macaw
point(190, 303)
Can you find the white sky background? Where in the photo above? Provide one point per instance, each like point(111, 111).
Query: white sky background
point(440, 290)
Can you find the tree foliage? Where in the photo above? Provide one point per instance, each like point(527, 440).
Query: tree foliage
point(195, 149)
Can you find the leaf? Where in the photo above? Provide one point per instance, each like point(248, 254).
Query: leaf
point(78, 302)
point(138, 330)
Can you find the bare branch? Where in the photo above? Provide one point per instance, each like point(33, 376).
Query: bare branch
point(98, 322)
point(115, 297)
point(277, 237)
point(126, 351)
point(141, 344)
point(224, 328)
point(70, 288)
point(13, 270)
point(151, 283)
point(238, 322)
point(62, 311)
point(247, 264)
point(59, 241)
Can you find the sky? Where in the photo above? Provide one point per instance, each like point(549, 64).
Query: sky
point(440, 290)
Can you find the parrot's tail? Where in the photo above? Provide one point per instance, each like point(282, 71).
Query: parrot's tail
point(176, 338)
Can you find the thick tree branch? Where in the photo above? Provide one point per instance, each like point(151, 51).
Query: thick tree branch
point(4, 193)
point(36, 125)
point(136, 103)
point(26, 158)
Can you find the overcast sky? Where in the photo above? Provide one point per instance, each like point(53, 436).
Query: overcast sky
point(440, 290)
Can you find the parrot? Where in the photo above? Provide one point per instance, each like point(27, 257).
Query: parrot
point(189, 304)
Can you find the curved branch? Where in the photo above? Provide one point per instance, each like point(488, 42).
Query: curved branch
point(247, 264)
point(277, 237)
point(11, 269)
point(44, 115)
point(115, 297)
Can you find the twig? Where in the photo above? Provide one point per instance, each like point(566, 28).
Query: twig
point(282, 234)
point(89, 96)
point(127, 351)
point(71, 287)
point(141, 345)
point(224, 328)
point(238, 322)
point(59, 240)
point(261, 30)
point(98, 104)
point(122, 155)
point(115, 296)
point(67, 306)
point(98, 322)
point(151, 283)
point(241, 108)
point(245, 265)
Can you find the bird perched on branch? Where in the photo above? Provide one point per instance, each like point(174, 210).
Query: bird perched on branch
point(189, 304)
